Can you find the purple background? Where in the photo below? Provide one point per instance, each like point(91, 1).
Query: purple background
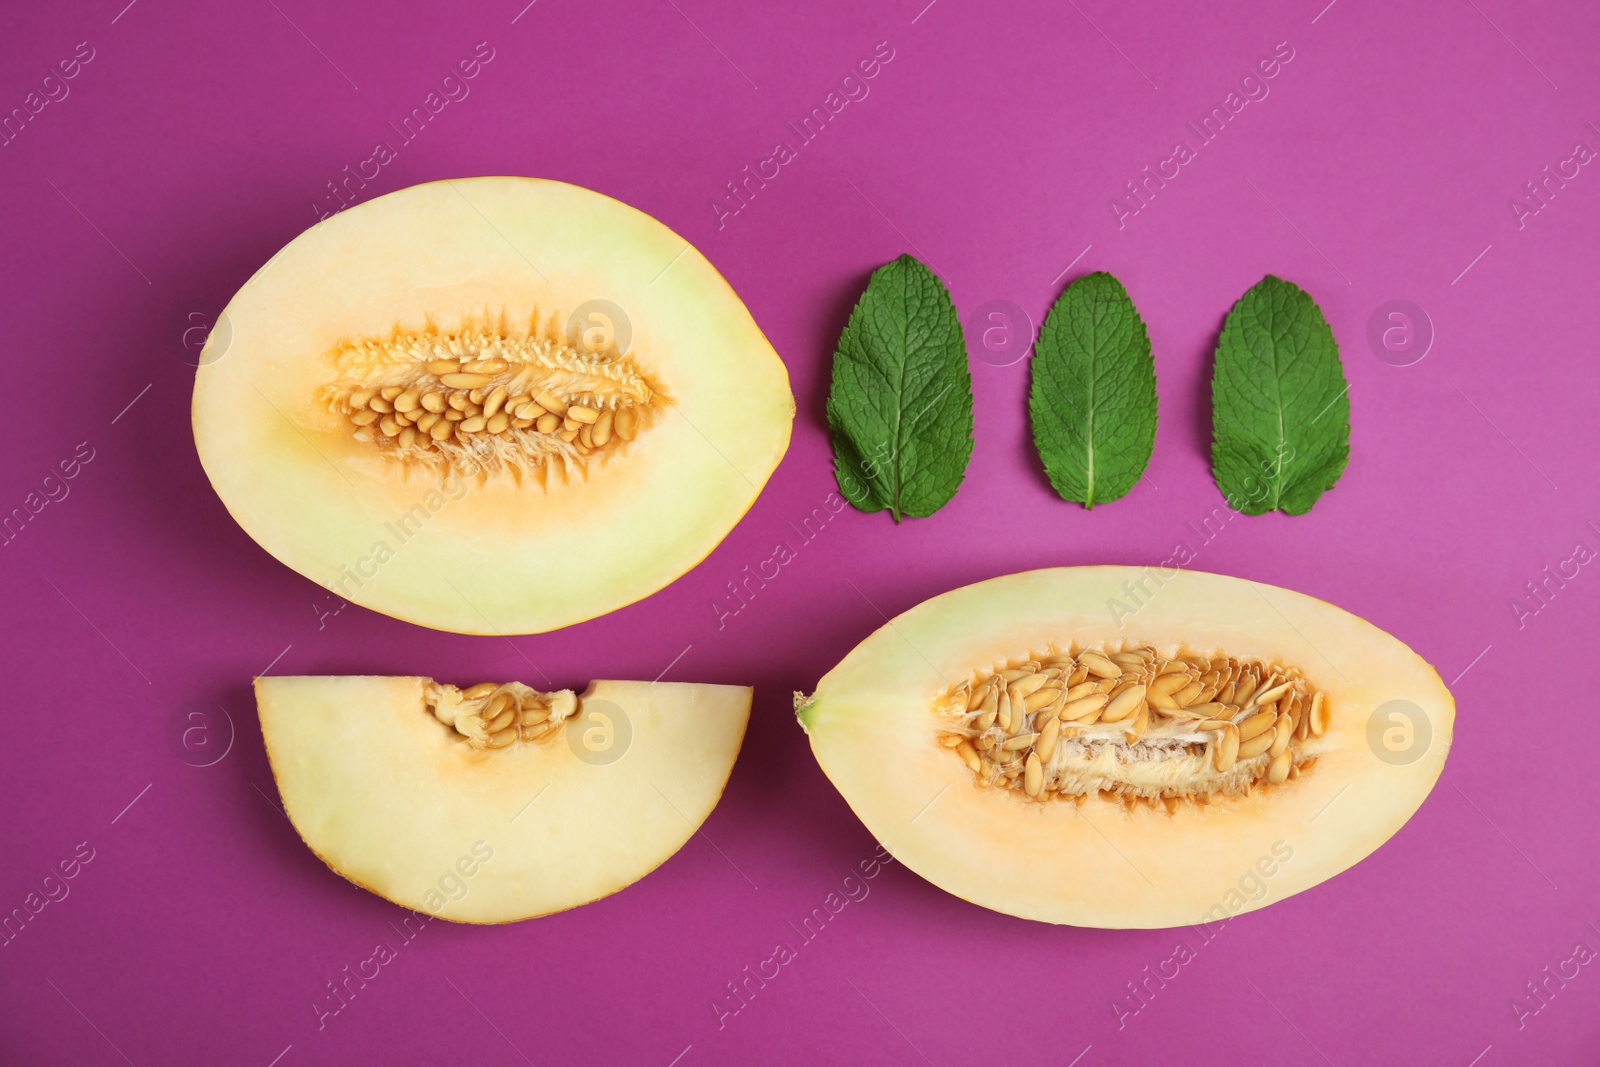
point(1380, 167)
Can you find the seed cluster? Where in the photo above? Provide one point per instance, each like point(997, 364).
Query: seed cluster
point(1133, 723)
point(509, 402)
point(494, 716)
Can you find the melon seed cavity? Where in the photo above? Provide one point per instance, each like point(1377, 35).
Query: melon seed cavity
point(1133, 724)
point(491, 399)
point(497, 716)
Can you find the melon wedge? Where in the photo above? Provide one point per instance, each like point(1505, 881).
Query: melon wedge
point(1129, 747)
point(430, 797)
point(489, 405)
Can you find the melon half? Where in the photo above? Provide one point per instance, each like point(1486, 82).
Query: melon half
point(489, 405)
point(497, 802)
point(1129, 747)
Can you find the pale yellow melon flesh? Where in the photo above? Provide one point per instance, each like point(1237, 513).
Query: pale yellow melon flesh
point(507, 553)
point(1100, 861)
point(400, 804)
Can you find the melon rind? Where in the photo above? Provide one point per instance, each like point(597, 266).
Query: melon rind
point(399, 804)
point(509, 556)
point(1100, 862)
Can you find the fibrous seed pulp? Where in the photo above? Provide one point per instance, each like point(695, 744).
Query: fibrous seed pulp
point(495, 716)
point(1135, 724)
point(491, 399)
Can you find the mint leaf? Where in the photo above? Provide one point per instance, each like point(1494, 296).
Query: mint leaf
point(900, 406)
point(1093, 399)
point(1280, 406)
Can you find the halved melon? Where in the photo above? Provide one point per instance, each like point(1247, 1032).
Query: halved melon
point(1129, 747)
point(490, 405)
point(497, 803)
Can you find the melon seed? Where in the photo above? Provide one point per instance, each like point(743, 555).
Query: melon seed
point(602, 427)
point(1227, 750)
point(1099, 665)
point(1256, 724)
point(1127, 703)
point(1255, 746)
point(1040, 699)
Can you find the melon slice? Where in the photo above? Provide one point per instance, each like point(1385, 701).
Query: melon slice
point(497, 802)
point(1127, 747)
point(490, 405)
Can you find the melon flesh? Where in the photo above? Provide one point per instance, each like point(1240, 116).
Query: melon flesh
point(669, 411)
point(1163, 841)
point(429, 817)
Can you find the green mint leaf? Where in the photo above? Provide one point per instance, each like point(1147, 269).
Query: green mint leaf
point(900, 405)
point(1280, 406)
point(1093, 399)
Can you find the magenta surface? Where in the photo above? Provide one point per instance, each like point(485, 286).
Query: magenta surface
point(1380, 163)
